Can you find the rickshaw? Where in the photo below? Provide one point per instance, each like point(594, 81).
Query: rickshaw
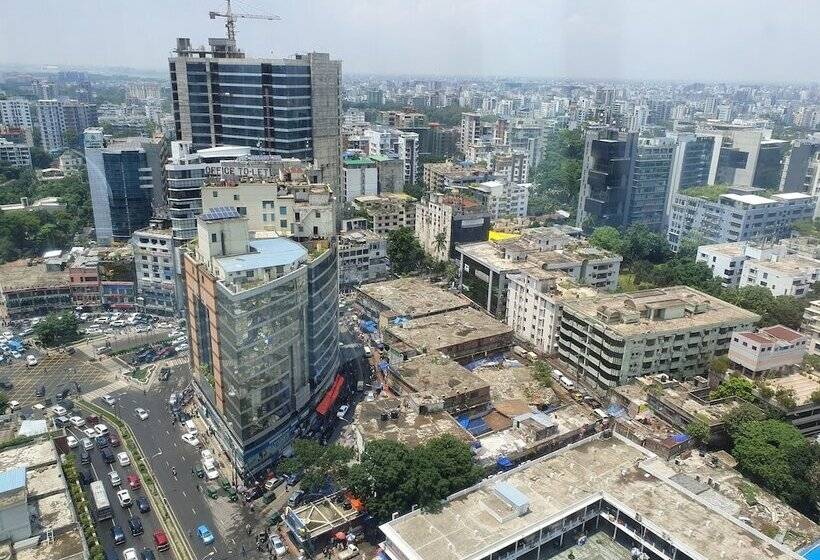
point(232, 496)
point(211, 491)
point(226, 484)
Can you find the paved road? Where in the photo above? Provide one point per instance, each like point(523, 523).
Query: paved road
point(161, 442)
point(100, 471)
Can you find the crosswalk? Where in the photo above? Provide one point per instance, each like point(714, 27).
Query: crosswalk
point(109, 389)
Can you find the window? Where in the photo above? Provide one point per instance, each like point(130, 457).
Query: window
point(283, 211)
point(213, 238)
point(215, 194)
point(283, 223)
point(236, 197)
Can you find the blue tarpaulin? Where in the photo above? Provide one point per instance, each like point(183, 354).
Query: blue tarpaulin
point(15, 344)
point(680, 438)
point(477, 427)
point(463, 421)
point(504, 463)
point(368, 326)
point(383, 365)
point(400, 321)
point(615, 410)
point(488, 361)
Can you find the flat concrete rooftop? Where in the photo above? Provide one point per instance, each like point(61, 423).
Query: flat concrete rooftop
point(433, 377)
point(613, 469)
point(630, 312)
point(30, 456)
point(18, 275)
point(413, 297)
point(441, 331)
point(803, 384)
point(515, 383)
point(410, 428)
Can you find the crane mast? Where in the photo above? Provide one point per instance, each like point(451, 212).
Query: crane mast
point(231, 17)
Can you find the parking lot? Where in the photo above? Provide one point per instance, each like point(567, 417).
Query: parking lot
point(55, 370)
point(99, 470)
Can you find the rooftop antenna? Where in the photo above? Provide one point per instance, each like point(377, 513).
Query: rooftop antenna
point(231, 17)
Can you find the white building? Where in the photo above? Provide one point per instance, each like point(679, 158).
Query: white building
point(811, 326)
point(360, 177)
point(362, 257)
point(503, 199)
point(15, 155)
point(155, 262)
point(408, 149)
point(789, 275)
point(470, 129)
point(535, 299)
point(51, 122)
point(726, 260)
point(387, 141)
point(769, 349)
point(16, 113)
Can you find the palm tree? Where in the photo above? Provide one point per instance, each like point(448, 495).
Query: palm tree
point(441, 241)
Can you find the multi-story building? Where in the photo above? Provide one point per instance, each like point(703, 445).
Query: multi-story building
point(811, 326)
point(783, 275)
point(446, 175)
point(126, 176)
point(535, 299)
point(388, 212)
point(694, 163)
point(15, 155)
point(513, 165)
point(748, 156)
point(362, 257)
point(157, 288)
point(291, 205)
point(403, 119)
point(800, 166)
point(625, 179)
point(77, 117)
point(16, 113)
point(287, 107)
point(51, 122)
point(444, 220)
point(729, 214)
point(767, 350)
point(612, 339)
point(485, 267)
point(263, 329)
point(43, 89)
point(360, 177)
point(603, 497)
point(503, 199)
point(470, 130)
point(392, 142)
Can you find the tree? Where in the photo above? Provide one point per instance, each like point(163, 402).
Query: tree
point(815, 396)
point(441, 241)
point(719, 365)
point(607, 238)
point(391, 477)
point(735, 386)
point(416, 190)
point(4, 402)
point(642, 244)
point(57, 329)
point(404, 250)
point(40, 159)
point(541, 372)
point(745, 412)
point(777, 456)
point(699, 430)
point(321, 465)
point(557, 176)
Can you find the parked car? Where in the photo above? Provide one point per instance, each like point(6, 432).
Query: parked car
point(102, 441)
point(113, 439)
point(114, 476)
point(296, 498)
point(147, 554)
point(133, 481)
point(87, 444)
point(135, 524)
point(124, 498)
point(143, 505)
point(130, 554)
point(109, 400)
point(123, 459)
point(107, 455)
point(205, 534)
point(72, 442)
point(279, 547)
point(118, 535)
point(31, 360)
point(77, 421)
point(85, 457)
point(142, 414)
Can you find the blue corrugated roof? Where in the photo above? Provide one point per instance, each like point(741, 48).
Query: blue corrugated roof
point(12, 479)
point(277, 251)
point(512, 494)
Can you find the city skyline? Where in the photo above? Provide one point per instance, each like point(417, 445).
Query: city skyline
point(582, 40)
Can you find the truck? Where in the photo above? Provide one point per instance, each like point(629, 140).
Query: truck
point(368, 352)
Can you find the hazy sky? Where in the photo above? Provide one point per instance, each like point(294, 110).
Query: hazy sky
point(731, 40)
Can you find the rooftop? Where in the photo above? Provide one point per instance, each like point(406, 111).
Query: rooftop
point(791, 264)
point(476, 522)
point(444, 330)
point(413, 297)
point(802, 385)
point(514, 383)
point(409, 427)
point(18, 275)
point(12, 479)
point(661, 310)
point(433, 378)
point(276, 251)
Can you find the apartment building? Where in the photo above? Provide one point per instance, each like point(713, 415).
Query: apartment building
point(388, 212)
point(16, 113)
point(677, 331)
point(789, 275)
point(158, 287)
point(290, 205)
point(811, 326)
point(388, 141)
point(502, 198)
point(51, 122)
point(443, 221)
point(446, 175)
point(261, 317)
point(360, 177)
point(513, 165)
point(15, 155)
point(485, 268)
point(729, 214)
point(768, 350)
point(470, 130)
point(362, 257)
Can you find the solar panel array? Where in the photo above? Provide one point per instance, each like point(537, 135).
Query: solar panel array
point(220, 213)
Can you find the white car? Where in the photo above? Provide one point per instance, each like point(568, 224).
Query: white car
point(123, 459)
point(77, 421)
point(124, 498)
point(102, 429)
point(278, 546)
point(72, 442)
point(182, 347)
point(115, 478)
point(58, 410)
point(129, 554)
point(342, 411)
point(39, 407)
point(31, 360)
point(370, 396)
point(211, 473)
point(118, 323)
point(109, 400)
point(88, 444)
point(90, 433)
point(190, 439)
point(142, 414)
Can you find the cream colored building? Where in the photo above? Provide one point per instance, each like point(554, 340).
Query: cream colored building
point(388, 212)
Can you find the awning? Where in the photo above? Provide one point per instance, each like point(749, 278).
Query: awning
point(330, 397)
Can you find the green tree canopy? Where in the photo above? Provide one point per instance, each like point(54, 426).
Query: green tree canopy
point(699, 430)
point(319, 463)
point(607, 238)
point(57, 329)
point(777, 456)
point(734, 386)
point(734, 418)
point(404, 250)
point(392, 477)
point(557, 176)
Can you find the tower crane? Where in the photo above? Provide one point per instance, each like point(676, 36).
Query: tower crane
point(231, 17)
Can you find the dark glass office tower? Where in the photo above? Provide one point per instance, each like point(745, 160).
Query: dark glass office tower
point(288, 107)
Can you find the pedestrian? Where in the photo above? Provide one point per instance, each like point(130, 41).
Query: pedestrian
point(193, 471)
point(248, 528)
point(198, 488)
